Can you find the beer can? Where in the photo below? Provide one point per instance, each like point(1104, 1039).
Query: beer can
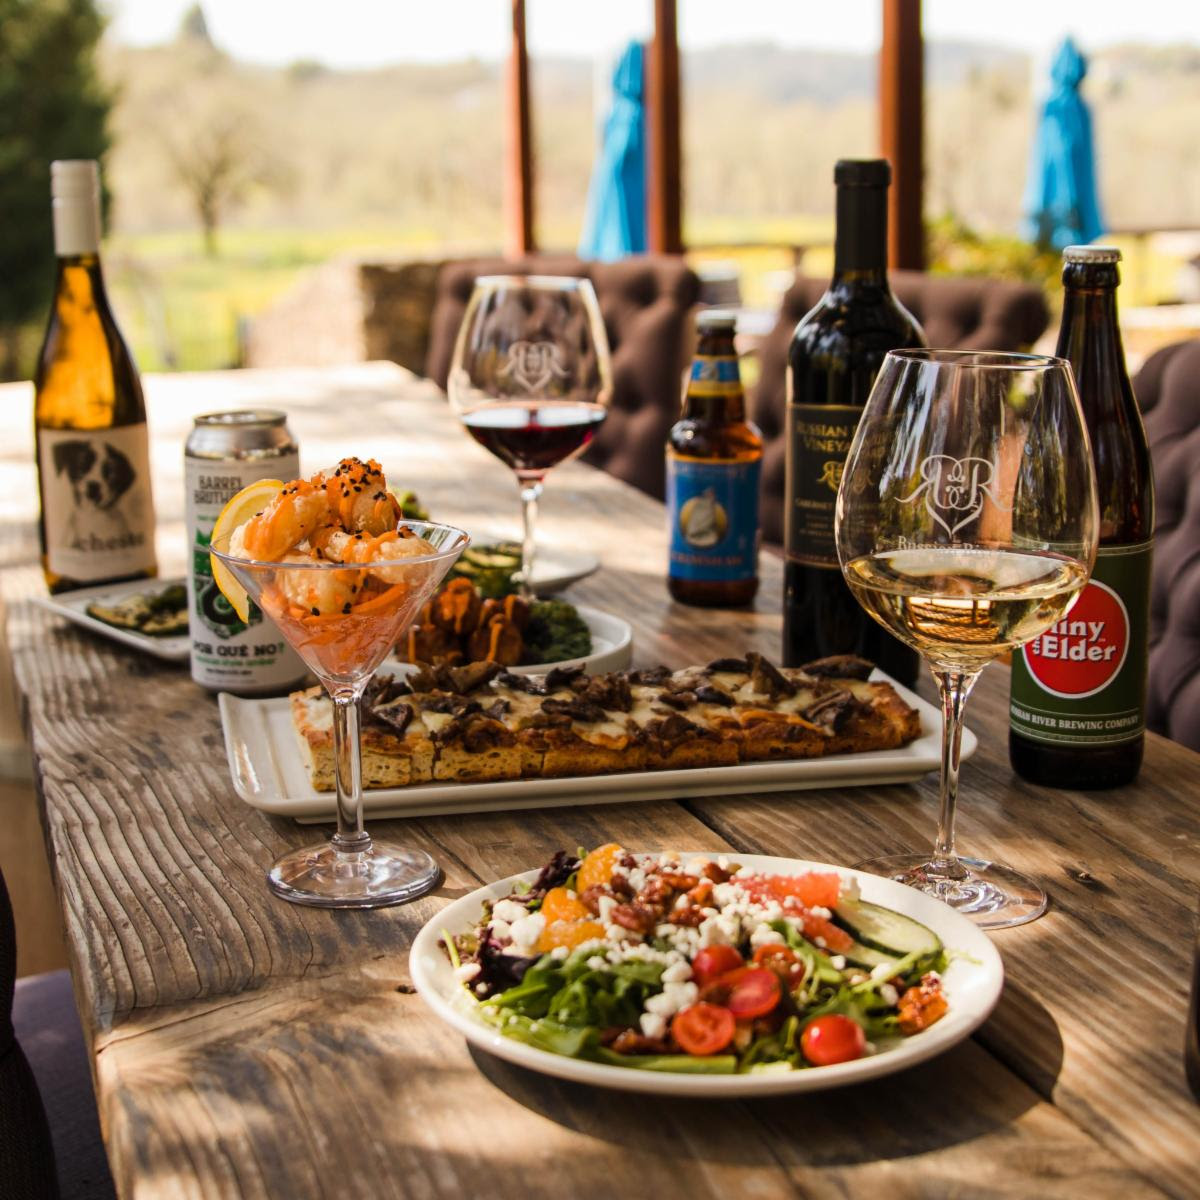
point(224, 453)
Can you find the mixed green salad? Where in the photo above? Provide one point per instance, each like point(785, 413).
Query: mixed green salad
point(696, 965)
point(160, 613)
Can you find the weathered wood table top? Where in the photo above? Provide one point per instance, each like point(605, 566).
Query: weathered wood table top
point(248, 1047)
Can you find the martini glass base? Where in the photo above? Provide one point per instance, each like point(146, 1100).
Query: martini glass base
point(992, 896)
point(382, 874)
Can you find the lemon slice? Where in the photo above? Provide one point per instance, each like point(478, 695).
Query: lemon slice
point(242, 506)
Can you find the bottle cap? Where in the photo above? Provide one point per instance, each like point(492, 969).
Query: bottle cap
point(714, 319)
point(862, 172)
point(1091, 254)
point(71, 177)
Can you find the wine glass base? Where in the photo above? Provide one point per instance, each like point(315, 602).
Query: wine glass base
point(991, 895)
point(324, 877)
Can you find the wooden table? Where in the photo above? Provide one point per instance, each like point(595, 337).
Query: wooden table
point(248, 1047)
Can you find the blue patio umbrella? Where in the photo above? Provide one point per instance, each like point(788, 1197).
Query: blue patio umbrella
point(1061, 207)
point(615, 221)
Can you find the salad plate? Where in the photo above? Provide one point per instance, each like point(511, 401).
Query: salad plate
point(73, 606)
point(971, 984)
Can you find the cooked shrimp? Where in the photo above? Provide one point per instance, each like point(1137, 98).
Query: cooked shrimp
point(319, 593)
point(358, 497)
point(357, 548)
point(294, 515)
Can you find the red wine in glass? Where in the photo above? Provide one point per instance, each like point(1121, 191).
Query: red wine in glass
point(532, 436)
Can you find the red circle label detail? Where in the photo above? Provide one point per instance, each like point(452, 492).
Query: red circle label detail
point(1083, 653)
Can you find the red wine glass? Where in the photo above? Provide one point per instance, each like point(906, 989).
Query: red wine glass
point(531, 379)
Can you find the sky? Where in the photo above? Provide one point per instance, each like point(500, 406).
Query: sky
point(366, 33)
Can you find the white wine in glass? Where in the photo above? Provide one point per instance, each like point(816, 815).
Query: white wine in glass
point(966, 525)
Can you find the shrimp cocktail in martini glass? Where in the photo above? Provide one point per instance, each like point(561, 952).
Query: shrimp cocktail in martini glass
point(334, 564)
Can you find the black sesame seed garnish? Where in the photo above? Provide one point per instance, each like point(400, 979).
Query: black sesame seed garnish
point(316, 612)
point(346, 607)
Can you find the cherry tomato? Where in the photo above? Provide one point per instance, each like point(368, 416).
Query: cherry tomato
point(714, 961)
point(833, 1039)
point(783, 960)
point(703, 1028)
point(747, 992)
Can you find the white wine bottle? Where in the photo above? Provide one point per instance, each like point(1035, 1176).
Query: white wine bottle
point(93, 453)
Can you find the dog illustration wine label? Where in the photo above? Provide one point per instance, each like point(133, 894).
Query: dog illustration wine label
point(225, 452)
point(97, 512)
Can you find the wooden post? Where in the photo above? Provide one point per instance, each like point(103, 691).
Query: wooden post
point(518, 159)
point(901, 129)
point(664, 183)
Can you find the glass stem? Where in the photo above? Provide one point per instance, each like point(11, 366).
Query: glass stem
point(531, 491)
point(351, 837)
point(954, 687)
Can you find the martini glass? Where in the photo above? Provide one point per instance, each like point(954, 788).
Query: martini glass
point(343, 647)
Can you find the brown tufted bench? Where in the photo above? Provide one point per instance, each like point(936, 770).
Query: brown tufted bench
point(961, 314)
point(646, 301)
point(1168, 391)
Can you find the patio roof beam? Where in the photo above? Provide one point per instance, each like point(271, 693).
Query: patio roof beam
point(664, 184)
point(901, 129)
point(518, 159)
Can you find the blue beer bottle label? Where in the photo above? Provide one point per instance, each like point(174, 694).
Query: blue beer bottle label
point(712, 507)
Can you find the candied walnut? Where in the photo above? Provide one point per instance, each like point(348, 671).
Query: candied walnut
point(457, 606)
point(638, 917)
point(629, 1041)
point(690, 916)
point(590, 897)
point(678, 880)
point(717, 873)
point(655, 890)
point(620, 886)
point(701, 894)
point(839, 666)
point(922, 1005)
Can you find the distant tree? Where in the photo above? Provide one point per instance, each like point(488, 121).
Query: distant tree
point(194, 27)
point(52, 105)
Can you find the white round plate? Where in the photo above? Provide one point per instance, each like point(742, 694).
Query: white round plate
point(554, 567)
point(972, 982)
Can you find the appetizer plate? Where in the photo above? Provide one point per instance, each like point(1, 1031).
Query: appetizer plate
point(269, 773)
point(554, 567)
point(972, 984)
point(73, 606)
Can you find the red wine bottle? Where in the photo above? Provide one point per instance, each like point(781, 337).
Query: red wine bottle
point(834, 356)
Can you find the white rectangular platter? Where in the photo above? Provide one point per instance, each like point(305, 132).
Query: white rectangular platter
point(269, 774)
point(73, 606)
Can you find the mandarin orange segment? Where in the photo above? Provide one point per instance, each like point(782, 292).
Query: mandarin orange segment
point(597, 868)
point(569, 934)
point(561, 905)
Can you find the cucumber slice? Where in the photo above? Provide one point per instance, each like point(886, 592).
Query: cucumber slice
point(867, 956)
point(881, 930)
point(491, 558)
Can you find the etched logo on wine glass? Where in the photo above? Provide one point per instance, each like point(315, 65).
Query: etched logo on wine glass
point(533, 366)
point(955, 489)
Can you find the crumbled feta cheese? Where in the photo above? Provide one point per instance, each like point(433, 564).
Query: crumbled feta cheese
point(637, 879)
point(839, 961)
point(526, 932)
point(820, 941)
point(888, 994)
point(696, 866)
point(720, 930)
point(500, 929)
point(885, 970)
point(677, 972)
point(465, 972)
point(681, 901)
point(618, 933)
point(764, 935)
point(607, 904)
point(597, 963)
point(653, 1026)
point(559, 953)
point(672, 998)
point(509, 910)
point(818, 911)
point(723, 862)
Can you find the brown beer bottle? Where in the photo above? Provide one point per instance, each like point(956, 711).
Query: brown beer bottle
point(1077, 713)
point(714, 458)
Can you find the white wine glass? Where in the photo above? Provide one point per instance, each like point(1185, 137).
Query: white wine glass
point(966, 525)
point(531, 379)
